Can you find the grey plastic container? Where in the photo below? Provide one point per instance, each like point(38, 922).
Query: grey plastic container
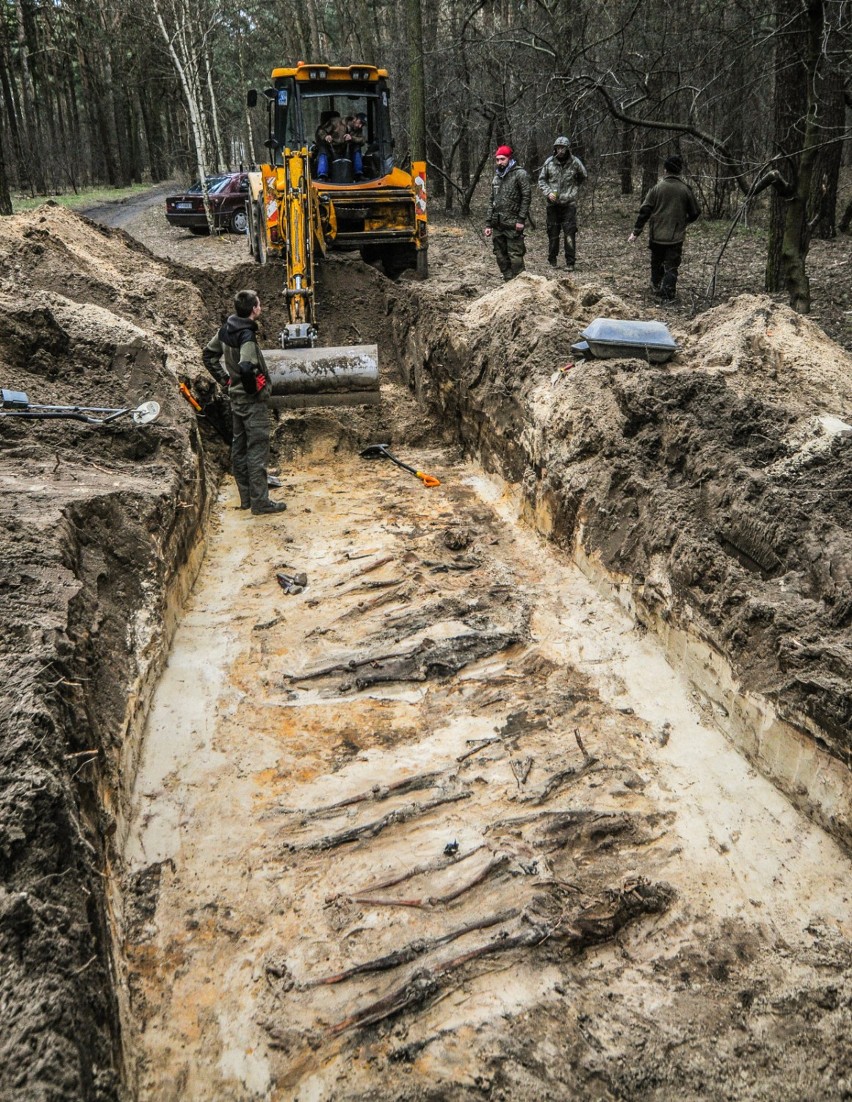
point(610, 337)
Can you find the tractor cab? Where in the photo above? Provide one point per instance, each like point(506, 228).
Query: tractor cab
point(352, 102)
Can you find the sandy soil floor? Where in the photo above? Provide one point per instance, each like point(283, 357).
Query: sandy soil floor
point(355, 873)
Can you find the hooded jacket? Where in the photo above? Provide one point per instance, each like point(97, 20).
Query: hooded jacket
point(236, 342)
point(563, 178)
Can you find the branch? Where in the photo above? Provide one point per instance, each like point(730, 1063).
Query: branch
point(679, 128)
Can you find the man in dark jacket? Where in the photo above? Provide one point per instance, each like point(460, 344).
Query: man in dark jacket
point(669, 207)
point(559, 181)
point(247, 381)
point(507, 212)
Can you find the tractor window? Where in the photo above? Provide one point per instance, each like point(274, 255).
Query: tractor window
point(354, 122)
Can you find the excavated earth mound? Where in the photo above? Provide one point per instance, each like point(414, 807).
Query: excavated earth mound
point(710, 495)
point(712, 490)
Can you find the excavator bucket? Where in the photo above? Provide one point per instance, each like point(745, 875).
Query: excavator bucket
point(344, 376)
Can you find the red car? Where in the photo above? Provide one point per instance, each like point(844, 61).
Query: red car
point(228, 195)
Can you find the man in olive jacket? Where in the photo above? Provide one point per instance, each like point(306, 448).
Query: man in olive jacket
point(507, 212)
point(246, 379)
point(669, 207)
point(559, 181)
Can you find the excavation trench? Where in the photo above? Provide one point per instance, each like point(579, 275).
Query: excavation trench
point(452, 820)
point(538, 788)
point(321, 788)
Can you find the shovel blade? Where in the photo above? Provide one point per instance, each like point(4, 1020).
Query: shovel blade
point(375, 451)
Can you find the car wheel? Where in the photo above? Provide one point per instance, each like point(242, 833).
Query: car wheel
point(239, 222)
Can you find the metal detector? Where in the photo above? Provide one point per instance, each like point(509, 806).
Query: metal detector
point(15, 403)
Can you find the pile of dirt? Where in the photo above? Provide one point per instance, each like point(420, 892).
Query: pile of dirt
point(716, 484)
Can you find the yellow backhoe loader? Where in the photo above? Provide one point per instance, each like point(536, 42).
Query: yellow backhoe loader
point(330, 184)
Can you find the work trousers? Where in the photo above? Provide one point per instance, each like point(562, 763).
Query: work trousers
point(250, 450)
point(665, 261)
point(509, 249)
point(562, 222)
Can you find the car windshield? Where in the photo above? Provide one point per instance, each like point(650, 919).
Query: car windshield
point(215, 184)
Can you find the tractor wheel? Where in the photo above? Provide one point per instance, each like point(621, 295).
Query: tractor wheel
point(423, 262)
point(251, 236)
point(262, 250)
point(397, 259)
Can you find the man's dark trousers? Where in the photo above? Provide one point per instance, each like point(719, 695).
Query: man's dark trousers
point(509, 249)
point(562, 220)
point(250, 450)
point(665, 261)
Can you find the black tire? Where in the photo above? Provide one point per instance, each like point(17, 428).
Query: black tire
point(397, 259)
point(251, 236)
point(423, 262)
point(238, 222)
point(262, 251)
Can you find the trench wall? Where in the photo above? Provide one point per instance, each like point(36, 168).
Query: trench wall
point(96, 575)
point(654, 479)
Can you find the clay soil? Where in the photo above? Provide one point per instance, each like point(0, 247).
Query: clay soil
point(642, 914)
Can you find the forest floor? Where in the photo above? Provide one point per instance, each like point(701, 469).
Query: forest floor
point(445, 824)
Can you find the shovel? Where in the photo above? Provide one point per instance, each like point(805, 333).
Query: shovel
point(14, 403)
point(380, 451)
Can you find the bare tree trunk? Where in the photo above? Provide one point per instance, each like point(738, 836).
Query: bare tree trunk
point(313, 21)
point(214, 113)
point(822, 208)
point(626, 159)
point(417, 80)
point(188, 83)
point(5, 196)
point(33, 137)
point(798, 133)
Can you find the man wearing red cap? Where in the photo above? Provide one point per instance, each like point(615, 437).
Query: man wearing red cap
point(507, 212)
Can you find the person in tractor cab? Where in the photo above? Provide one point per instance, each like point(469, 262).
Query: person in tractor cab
point(335, 143)
point(507, 212)
point(246, 379)
point(560, 179)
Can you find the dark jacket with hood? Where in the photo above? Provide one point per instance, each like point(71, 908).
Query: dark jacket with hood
point(236, 342)
point(510, 198)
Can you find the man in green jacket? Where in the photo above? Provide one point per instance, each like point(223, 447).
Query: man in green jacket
point(507, 212)
point(247, 381)
point(669, 207)
point(559, 181)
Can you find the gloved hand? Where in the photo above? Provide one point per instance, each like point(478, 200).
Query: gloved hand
point(261, 381)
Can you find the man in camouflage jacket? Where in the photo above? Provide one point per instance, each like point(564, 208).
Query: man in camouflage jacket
point(246, 378)
point(559, 181)
point(507, 213)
